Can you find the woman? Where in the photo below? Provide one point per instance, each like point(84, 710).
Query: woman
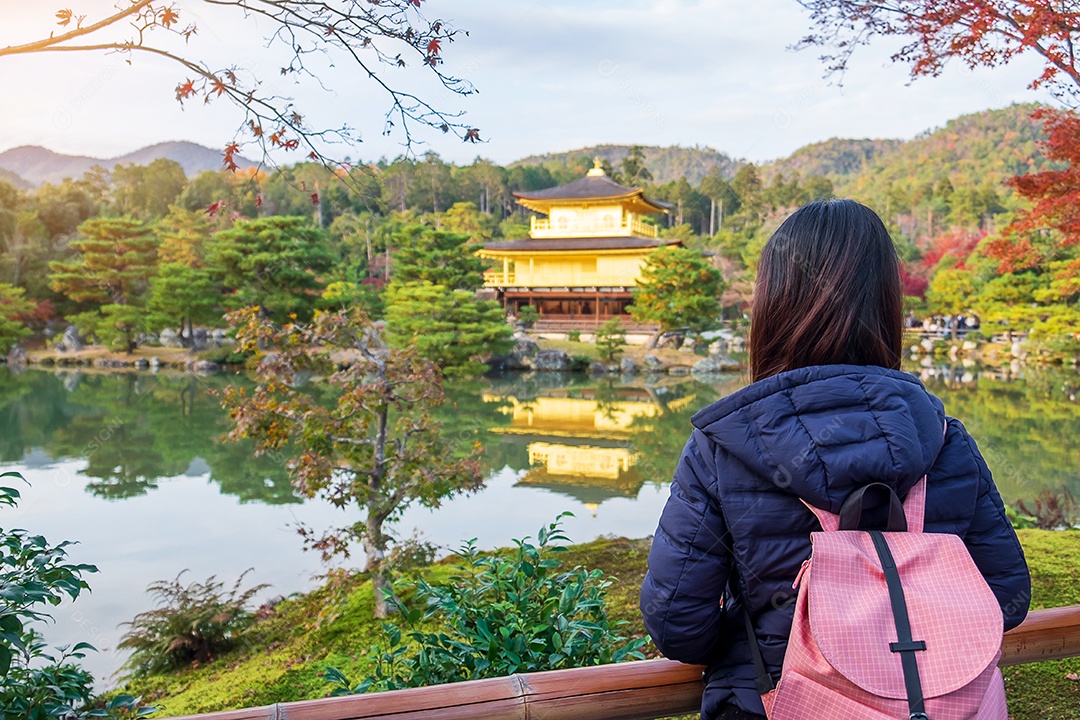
point(828, 411)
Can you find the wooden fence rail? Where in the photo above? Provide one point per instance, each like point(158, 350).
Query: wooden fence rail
point(643, 690)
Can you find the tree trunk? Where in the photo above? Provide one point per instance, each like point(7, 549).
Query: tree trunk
point(375, 547)
point(654, 339)
point(374, 539)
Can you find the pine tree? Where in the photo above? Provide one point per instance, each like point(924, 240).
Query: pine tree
point(440, 258)
point(610, 338)
point(117, 257)
point(677, 289)
point(449, 327)
point(276, 264)
point(182, 296)
point(13, 306)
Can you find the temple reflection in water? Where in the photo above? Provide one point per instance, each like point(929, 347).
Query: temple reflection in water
point(579, 440)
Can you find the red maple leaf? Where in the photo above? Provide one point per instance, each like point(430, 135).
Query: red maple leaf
point(185, 90)
point(229, 159)
point(472, 135)
point(215, 208)
point(258, 201)
point(314, 198)
point(434, 46)
point(168, 17)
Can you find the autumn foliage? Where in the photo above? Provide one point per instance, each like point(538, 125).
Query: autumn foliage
point(979, 34)
point(363, 439)
point(1055, 195)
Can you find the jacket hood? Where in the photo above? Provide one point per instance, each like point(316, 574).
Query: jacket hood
point(820, 432)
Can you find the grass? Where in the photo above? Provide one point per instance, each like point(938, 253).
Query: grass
point(286, 651)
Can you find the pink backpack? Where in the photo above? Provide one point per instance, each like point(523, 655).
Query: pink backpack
point(894, 624)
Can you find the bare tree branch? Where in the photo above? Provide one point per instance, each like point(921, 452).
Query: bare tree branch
point(368, 34)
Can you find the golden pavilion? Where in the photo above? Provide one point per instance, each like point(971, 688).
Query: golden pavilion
point(580, 263)
point(579, 441)
point(579, 446)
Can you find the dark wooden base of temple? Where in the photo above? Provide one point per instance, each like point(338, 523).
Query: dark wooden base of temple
point(572, 309)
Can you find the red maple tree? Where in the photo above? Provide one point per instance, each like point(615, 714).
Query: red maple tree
point(985, 33)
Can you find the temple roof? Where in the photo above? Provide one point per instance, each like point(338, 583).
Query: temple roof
point(607, 243)
point(595, 186)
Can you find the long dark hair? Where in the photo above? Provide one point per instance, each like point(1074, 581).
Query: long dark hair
point(828, 292)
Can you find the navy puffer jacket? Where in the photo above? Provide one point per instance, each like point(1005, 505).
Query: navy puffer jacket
point(734, 527)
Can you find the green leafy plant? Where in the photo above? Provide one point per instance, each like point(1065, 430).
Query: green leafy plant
point(191, 624)
point(574, 336)
point(580, 362)
point(500, 614)
point(610, 338)
point(527, 315)
point(36, 682)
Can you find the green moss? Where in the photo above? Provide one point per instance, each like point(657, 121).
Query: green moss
point(285, 652)
point(1041, 691)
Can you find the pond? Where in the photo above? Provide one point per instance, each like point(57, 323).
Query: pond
point(132, 467)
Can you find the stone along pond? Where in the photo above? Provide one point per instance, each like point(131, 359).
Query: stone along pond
point(131, 466)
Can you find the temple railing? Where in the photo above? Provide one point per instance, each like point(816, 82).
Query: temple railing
point(627, 226)
point(644, 690)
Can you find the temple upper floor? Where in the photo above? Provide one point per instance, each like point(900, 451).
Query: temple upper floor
point(594, 206)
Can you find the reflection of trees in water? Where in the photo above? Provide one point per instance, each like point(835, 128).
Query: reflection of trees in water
point(22, 424)
point(654, 439)
point(134, 429)
point(1027, 428)
point(659, 439)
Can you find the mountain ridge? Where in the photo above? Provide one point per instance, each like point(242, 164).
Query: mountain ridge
point(666, 163)
point(35, 165)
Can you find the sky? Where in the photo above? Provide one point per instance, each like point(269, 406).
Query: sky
point(551, 76)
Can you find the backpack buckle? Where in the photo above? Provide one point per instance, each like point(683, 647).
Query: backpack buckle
point(918, 716)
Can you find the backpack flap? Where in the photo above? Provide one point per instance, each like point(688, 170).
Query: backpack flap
point(950, 606)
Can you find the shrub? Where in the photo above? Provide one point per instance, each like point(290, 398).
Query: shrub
point(191, 625)
point(1051, 510)
point(580, 363)
point(35, 681)
point(528, 315)
point(574, 336)
point(610, 337)
point(501, 614)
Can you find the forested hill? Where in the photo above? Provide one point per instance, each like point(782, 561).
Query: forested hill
point(18, 182)
point(665, 163)
point(36, 165)
point(835, 158)
point(989, 146)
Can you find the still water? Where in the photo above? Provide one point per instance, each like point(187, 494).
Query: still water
point(131, 466)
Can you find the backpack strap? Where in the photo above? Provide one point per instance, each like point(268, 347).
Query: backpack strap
point(909, 515)
point(762, 680)
point(905, 645)
point(915, 506)
point(871, 497)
